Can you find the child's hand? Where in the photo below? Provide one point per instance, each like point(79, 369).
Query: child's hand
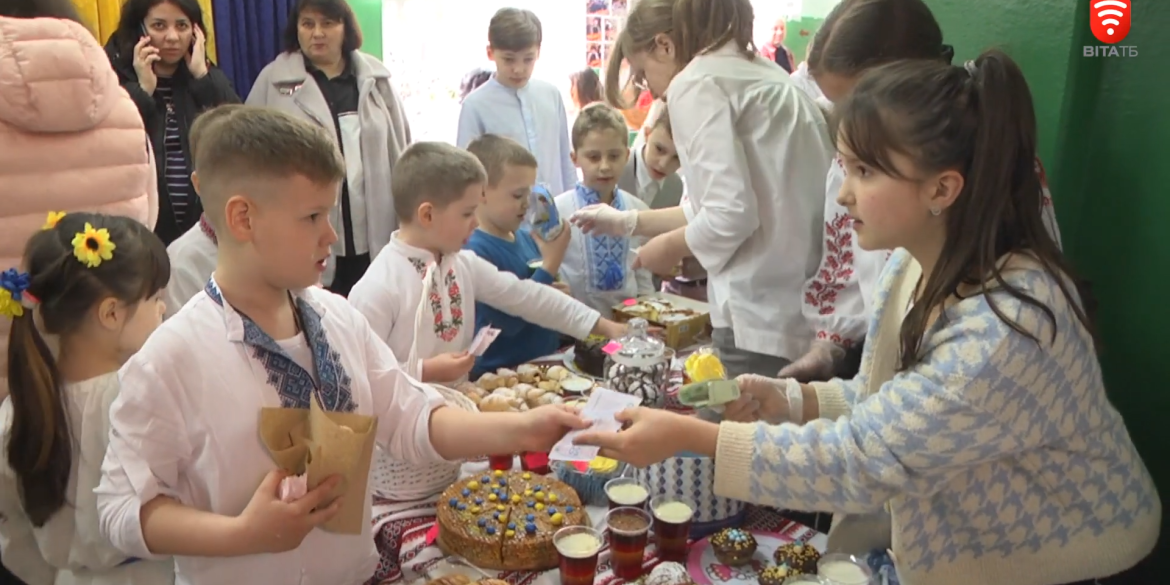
point(650, 436)
point(448, 367)
point(552, 253)
point(605, 220)
point(610, 329)
point(661, 255)
point(760, 398)
point(273, 526)
point(542, 427)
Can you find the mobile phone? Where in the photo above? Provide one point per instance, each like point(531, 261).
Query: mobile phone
point(142, 27)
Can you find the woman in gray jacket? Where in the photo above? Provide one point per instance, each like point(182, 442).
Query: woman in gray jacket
point(323, 78)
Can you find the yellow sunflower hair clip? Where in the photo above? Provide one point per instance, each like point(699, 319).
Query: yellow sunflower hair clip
point(92, 247)
point(52, 219)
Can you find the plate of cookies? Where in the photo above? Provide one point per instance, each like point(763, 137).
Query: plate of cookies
point(749, 557)
point(528, 386)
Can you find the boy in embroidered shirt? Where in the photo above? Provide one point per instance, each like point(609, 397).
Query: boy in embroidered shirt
point(184, 462)
point(600, 268)
point(512, 104)
point(193, 253)
point(422, 294)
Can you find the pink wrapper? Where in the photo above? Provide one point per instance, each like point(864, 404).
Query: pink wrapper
point(293, 488)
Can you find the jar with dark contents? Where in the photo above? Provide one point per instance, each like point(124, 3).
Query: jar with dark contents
point(639, 365)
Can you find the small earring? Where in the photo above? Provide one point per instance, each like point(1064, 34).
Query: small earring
point(935, 211)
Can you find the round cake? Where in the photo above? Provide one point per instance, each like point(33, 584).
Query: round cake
point(799, 556)
point(506, 520)
point(588, 357)
point(733, 547)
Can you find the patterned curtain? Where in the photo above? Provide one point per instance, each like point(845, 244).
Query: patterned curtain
point(101, 16)
point(248, 35)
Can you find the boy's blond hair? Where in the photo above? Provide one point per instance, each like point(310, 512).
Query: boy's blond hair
point(514, 29)
point(496, 153)
point(595, 117)
point(205, 121)
point(661, 121)
point(432, 172)
point(260, 145)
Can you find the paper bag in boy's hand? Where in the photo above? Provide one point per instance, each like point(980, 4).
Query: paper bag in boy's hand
point(320, 444)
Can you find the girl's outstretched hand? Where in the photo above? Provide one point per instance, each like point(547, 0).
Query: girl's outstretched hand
point(651, 436)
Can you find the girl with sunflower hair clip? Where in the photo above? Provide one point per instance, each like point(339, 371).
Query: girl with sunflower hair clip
point(94, 285)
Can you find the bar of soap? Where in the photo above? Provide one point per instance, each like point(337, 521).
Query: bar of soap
point(709, 394)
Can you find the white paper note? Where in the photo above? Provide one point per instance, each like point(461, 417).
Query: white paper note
point(601, 408)
point(483, 340)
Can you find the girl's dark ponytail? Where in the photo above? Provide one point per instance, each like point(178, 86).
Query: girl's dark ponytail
point(40, 449)
point(58, 296)
point(1004, 161)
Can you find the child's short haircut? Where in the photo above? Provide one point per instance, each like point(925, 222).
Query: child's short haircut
point(205, 121)
point(595, 117)
point(250, 143)
point(514, 29)
point(432, 172)
point(496, 153)
point(662, 121)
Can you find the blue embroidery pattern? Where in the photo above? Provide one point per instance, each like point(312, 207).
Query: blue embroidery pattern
point(607, 255)
point(295, 385)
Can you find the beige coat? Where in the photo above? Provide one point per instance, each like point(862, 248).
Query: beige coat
point(286, 85)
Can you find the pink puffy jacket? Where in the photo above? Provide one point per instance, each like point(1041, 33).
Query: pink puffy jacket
point(70, 138)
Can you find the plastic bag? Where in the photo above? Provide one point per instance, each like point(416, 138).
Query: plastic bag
point(542, 214)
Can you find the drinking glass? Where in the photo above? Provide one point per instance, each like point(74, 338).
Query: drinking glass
point(629, 529)
point(672, 526)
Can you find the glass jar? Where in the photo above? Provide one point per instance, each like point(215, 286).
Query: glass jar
point(639, 364)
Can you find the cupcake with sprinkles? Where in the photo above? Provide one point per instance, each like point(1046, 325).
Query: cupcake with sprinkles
point(799, 556)
point(775, 575)
point(733, 547)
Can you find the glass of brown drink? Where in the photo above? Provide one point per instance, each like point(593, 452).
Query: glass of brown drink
point(629, 529)
point(577, 547)
point(672, 527)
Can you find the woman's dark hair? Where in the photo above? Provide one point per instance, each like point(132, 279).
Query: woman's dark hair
point(976, 119)
point(40, 445)
point(63, 9)
point(861, 34)
point(133, 15)
point(332, 9)
point(472, 81)
point(588, 86)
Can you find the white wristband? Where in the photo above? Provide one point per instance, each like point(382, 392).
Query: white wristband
point(795, 402)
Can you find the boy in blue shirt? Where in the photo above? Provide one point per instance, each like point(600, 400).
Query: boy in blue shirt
point(513, 105)
point(511, 173)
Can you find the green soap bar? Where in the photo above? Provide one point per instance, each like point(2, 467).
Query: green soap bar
point(711, 393)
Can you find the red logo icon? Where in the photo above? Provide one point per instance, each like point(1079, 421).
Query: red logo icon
point(1109, 19)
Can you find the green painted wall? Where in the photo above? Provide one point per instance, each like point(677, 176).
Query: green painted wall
point(369, 17)
point(1103, 136)
point(797, 42)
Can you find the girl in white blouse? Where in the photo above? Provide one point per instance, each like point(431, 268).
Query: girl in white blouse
point(754, 151)
point(94, 284)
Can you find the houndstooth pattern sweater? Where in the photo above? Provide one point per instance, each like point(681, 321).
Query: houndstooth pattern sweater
point(1000, 459)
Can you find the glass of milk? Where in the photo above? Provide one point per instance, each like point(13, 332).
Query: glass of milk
point(843, 569)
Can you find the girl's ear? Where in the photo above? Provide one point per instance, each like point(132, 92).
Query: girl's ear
point(948, 185)
point(665, 43)
point(109, 314)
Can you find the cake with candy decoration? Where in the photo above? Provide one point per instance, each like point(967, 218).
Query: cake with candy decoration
point(506, 520)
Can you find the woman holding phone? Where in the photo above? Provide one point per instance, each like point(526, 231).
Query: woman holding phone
point(159, 55)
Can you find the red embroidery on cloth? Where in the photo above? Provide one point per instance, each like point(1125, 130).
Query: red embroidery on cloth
point(837, 267)
point(836, 339)
point(446, 329)
point(208, 231)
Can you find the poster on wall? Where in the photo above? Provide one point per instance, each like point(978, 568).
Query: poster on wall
point(603, 19)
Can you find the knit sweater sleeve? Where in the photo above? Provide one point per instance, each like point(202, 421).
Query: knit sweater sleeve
point(969, 401)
